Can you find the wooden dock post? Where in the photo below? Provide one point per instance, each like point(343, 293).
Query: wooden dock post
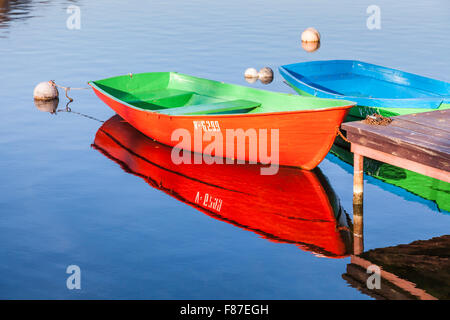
point(358, 196)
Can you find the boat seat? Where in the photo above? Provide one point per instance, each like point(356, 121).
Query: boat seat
point(209, 108)
point(162, 94)
point(157, 100)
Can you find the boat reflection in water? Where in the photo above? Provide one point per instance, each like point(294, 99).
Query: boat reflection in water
point(425, 187)
point(416, 271)
point(294, 206)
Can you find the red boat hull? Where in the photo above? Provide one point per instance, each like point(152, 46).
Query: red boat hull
point(305, 137)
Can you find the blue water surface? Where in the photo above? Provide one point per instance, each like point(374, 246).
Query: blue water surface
point(64, 203)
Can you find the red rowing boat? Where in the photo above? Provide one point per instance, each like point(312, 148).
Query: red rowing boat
point(272, 127)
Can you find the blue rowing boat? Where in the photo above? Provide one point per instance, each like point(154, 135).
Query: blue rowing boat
point(374, 88)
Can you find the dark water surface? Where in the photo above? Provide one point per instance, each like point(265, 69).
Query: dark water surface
point(63, 202)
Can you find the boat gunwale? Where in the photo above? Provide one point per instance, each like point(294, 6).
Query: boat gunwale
point(345, 103)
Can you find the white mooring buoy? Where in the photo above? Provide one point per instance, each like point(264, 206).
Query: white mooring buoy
point(45, 91)
point(310, 35)
point(265, 75)
point(251, 73)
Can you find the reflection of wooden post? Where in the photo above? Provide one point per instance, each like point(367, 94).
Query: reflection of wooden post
point(358, 192)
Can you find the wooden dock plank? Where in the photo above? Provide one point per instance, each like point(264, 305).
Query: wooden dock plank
point(400, 123)
point(439, 119)
point(439, 144)
point(413, 154)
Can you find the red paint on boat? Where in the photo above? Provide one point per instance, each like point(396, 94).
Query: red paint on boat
point(305, 136)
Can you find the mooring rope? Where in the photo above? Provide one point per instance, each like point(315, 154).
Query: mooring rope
point(339, 133)
point(377, 119)
point(69, 110)
point(66, 89)
point(374, 119)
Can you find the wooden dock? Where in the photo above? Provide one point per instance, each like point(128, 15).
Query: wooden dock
point(417, 142)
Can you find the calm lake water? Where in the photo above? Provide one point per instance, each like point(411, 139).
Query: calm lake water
point(62, 202)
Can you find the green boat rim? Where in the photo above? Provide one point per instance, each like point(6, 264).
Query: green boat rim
point(315, 106)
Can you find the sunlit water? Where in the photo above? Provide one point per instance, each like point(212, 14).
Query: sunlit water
point(64, 203)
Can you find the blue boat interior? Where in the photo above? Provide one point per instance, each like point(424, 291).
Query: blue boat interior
point(360, 79)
